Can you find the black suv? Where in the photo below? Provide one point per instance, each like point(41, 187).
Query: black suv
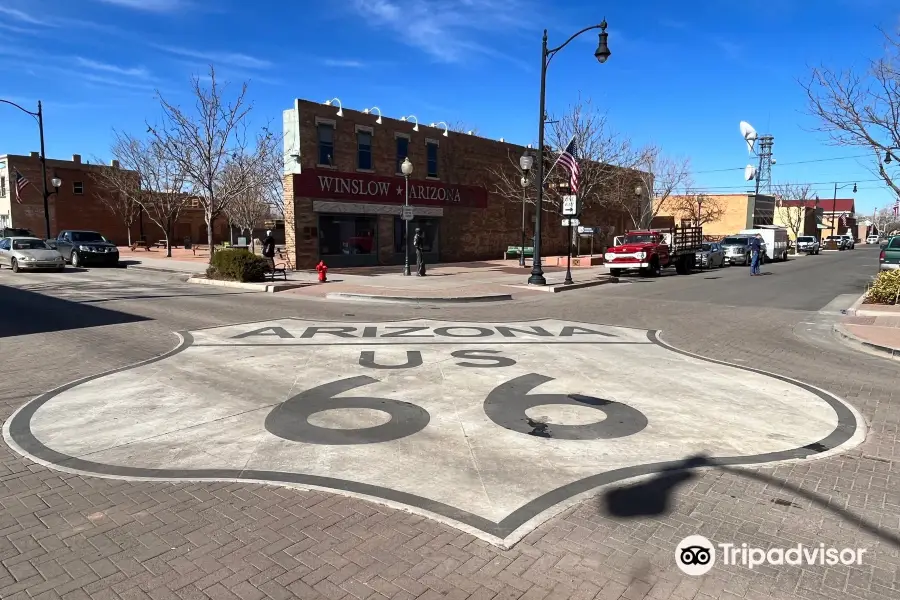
point(83, 248)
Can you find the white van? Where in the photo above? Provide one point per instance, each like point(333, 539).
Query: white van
point(776, 239)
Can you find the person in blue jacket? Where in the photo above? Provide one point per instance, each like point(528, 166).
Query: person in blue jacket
point(755, 256)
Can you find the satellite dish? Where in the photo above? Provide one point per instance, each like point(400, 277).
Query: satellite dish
point(750, 173)
point(749, 135)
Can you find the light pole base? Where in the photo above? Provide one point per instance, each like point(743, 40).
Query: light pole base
point(568, 280)
point(406, 271)
point(537, 279)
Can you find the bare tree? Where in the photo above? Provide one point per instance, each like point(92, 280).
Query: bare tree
point(462, 127)
point(790, 204)
point(121, 190)
point(160, 184)
point(659, 178)
point(861, 108)
point(698, 207)
point(247, 210)
point(886, 221)
point(212, 146)
point(601, 155)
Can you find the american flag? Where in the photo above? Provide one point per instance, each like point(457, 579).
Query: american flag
point(567, 159)
point(844, 219)
point(21, 182)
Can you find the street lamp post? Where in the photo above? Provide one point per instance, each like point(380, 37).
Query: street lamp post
point(525, 163)
point(39, 116)
point(602, 54)
point(406, 168)
point(834, 203)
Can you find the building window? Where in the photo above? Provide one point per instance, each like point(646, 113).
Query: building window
point(402, 151)
point(364, 150)
point(326, 144)
point(429, 227)
point(2, 187)
point(432, 156)
point(78, 187)
point(347, 234)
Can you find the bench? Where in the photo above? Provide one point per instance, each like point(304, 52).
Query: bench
point(283, 256)
point(200, 247)
point(275, 269)
point(140, 244)
point(162, 244)
point(515, 251)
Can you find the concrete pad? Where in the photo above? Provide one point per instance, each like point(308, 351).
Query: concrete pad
point(271, 287)
point(491, 427)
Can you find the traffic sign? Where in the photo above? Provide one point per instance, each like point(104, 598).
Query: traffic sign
point(570, 222)
point(585, 230)
point(406, 213)
point(570, 205)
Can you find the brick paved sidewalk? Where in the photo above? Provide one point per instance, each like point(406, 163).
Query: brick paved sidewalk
point(875, 324)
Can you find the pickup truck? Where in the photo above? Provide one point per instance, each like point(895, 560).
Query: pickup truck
point(889, 259)
point(649, 251)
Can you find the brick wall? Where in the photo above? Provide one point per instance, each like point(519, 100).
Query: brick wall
point(86, 210)
point(740, 211)
point(466, 233)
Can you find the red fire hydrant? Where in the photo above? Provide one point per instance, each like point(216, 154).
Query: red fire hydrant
point(322, 269)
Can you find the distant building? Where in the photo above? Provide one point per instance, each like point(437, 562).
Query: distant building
point(825, 217)
point(79, 204)
point(739, 211)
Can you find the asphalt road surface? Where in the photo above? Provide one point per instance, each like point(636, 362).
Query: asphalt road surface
point(71, 535)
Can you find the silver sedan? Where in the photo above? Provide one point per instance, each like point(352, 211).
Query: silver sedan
point(21, 253)
point(711, 255)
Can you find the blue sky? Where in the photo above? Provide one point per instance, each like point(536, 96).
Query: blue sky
point(682, 74)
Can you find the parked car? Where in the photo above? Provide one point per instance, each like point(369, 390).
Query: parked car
point(808, 244)
point(29, 253)
point(889, 259)
point(711, 256)
point(8, 232)
point(85, 247)
point(737, 250)
point(835, 242)
point(872, 239)
point(849, 241)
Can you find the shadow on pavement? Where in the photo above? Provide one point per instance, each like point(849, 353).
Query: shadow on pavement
point(654, 496)
point(26, 313)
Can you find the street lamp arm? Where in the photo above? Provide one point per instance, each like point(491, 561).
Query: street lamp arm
point(24, 110)
point(553, 51)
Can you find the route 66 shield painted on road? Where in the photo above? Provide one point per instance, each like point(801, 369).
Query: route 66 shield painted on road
point(492, 427)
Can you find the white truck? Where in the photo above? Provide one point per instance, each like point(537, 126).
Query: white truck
point(775, 238)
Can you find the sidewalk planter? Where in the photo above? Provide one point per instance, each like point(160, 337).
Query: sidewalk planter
point(885, 289)
point(237, 265)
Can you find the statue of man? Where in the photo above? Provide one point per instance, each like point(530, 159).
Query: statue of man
point(418, 244)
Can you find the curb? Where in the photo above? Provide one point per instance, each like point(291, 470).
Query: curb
point(417, 299)
point(160, 270)
point(561, 287)
point(863, 345)
point(257, 287)
point(854, 308)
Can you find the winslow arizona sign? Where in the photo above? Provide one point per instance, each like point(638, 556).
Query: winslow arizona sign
point(490, 427)
point(362, 187)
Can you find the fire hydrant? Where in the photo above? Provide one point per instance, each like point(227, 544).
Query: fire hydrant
point(322, 269)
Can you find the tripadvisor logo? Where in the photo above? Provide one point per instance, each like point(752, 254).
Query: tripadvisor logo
point(696, 555)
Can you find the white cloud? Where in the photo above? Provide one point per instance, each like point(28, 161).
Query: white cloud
point(22, 16)
point(350, 64)
point(139, 72)
point(234, 59)
point(149, 5)
point(447, 29)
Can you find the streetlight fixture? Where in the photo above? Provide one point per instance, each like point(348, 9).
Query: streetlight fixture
point(602, 55)
point(369, 111)
point(438, 124)
point(526, 161)
point(406, 168)
point(834, 202)
point(413, 119)
point(337, 101)
point(39, 117)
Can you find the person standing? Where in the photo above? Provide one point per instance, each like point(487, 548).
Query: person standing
point(755, 256)
point(419, 245)
point(268, 249)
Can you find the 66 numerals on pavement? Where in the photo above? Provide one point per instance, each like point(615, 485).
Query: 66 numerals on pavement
point(505, 405)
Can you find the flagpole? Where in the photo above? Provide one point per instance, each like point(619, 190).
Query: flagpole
point(40, 118)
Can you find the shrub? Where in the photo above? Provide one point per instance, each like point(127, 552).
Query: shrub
point(237, 265)
point(885, 289)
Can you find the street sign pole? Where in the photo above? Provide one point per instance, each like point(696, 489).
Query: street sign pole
point(568, 280)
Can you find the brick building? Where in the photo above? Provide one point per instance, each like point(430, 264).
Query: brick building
point(78, 204)
point(739, 211)
point(836, 216)
point(343, 192)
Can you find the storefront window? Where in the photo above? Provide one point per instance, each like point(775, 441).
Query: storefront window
point(326, 144)
point(432, 155)
point(428, 226)
point(347, 234)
